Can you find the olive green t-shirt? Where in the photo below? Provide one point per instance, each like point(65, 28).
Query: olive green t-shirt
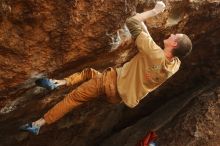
point(147, 70)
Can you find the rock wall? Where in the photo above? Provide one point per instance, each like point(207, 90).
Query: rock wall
point(40, 37)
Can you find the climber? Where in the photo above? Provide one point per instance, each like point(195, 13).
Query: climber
point(128, 84)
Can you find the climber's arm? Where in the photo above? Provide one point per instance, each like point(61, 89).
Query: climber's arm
point(143, 40)
point(159, 7)
point(136, 24)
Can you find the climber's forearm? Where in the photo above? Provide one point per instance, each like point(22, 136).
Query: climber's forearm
point(136, 23)
point(145, 15)
point(159, 7)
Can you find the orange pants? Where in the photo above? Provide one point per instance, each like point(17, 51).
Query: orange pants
point(97, 84)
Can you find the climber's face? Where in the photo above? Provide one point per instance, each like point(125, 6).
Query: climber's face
point(171, 42)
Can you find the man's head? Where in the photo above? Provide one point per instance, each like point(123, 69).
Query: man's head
point(179, 45)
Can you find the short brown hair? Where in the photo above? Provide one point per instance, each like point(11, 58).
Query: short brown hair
point(184, 47)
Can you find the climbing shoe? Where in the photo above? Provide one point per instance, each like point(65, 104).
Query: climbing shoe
point(152, 144)
point(30, 128)
point(46, 83)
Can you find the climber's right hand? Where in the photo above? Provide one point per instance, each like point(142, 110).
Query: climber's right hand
point(159, 7)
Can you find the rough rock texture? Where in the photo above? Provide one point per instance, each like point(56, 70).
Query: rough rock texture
point(40, 37)
point(197, 124)
point(59, 37)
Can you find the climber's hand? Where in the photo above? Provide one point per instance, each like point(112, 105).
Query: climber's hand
point(159, 7)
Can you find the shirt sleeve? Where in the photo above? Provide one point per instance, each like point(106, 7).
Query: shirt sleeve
point(134, 27)
point(143, 40)
point(146, 44)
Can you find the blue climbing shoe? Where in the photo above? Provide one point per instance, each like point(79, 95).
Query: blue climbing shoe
point(30, 128)
point(152, 144)
point(46, 83)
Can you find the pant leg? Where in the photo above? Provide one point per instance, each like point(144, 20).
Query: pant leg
point(86, 74)
point(87, 91)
